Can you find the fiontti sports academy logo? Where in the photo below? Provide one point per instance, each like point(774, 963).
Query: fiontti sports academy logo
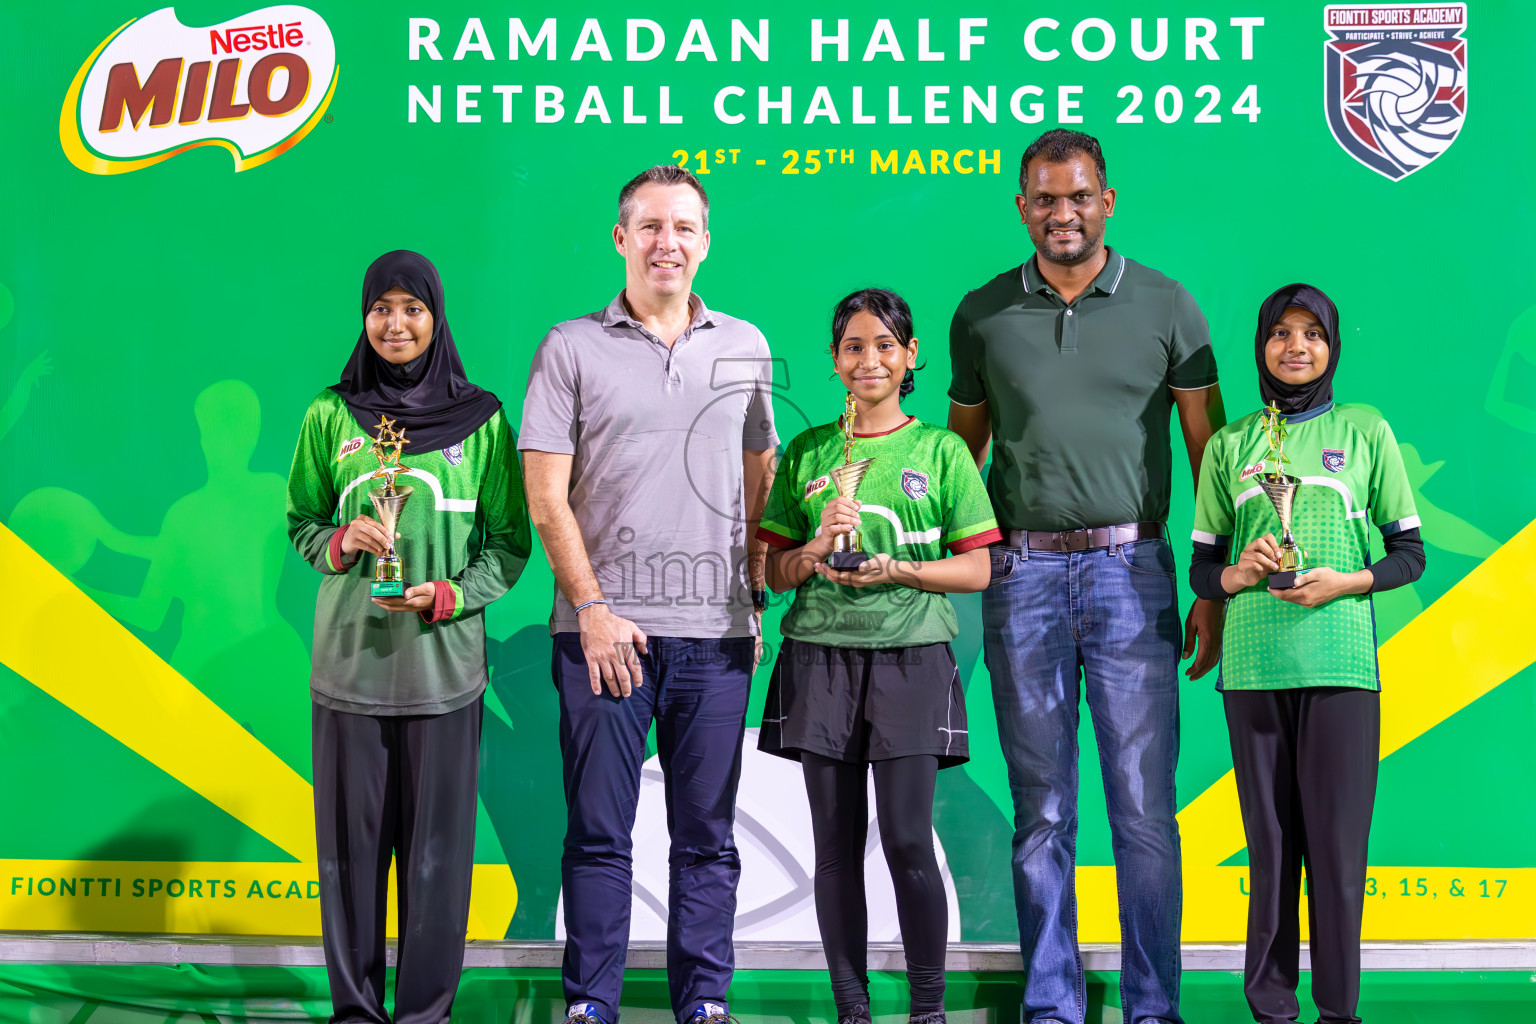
point(154, 88)
point(1395, 84)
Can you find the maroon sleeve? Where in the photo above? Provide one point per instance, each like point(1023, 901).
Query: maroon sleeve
point(442, 602)
point(777, 540)
point(980, 540)
point(338, 558)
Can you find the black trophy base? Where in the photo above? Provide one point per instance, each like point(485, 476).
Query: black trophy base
point(1283, 580)
point(846, 561)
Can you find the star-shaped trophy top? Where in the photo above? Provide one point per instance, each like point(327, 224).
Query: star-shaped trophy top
point(386, 447)
point(1274, 427)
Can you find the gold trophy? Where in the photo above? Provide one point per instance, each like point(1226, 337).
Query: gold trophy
point(388, 502)
point(1281, 490)
point(848, 548)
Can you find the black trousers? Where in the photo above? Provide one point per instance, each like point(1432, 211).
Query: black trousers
point(403, 786)
point(1305, 761)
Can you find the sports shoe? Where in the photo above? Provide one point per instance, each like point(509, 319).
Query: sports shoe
point(711, 1013)
point(583, 1013)
point(931, 1017)
point(858, 1015)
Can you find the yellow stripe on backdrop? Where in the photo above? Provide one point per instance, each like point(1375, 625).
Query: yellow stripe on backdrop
point(1403, 903)
point(201, 897)
point(68, 647)
point(64, 644)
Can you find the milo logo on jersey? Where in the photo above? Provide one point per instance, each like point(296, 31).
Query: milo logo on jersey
point(816, 487)
point(1395, 82)
point(254, 85)
point(349, 446)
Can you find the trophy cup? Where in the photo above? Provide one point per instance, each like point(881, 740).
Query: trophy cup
point(1281, 490)
point(848, 548)
point(388, 501)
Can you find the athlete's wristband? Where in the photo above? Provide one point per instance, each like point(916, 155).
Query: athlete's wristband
point(581, 607)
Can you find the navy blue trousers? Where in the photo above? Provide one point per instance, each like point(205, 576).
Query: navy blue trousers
point(696, 692)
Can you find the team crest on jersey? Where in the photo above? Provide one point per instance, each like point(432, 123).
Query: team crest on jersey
point(1248, 471)
point(1333, 459)
point(348, 447)
point(454, 453)
point(1395, 82)
point(914, 483)
point(816, 486)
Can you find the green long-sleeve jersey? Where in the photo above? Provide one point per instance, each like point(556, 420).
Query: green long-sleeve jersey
point(465, 527)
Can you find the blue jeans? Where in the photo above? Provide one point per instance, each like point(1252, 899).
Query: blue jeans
point(696, 690)
point(1109, 618)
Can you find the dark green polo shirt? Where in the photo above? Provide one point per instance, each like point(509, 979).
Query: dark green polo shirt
point(1078, 394)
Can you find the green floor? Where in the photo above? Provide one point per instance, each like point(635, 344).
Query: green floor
point(56, 994)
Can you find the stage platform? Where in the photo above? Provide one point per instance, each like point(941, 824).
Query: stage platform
point(980, 957)
point(160, 979)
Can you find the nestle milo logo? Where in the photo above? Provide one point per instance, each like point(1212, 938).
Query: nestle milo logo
point(257, 37)
point(254, 85)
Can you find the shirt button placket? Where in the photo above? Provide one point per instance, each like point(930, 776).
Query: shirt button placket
point(1068, 331)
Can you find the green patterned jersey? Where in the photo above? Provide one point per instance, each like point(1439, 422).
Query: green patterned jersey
point(1352, 477)
point(921, 497)
point(465, 525)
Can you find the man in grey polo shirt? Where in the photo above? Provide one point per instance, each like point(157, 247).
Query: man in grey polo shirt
point(1072, 362)
point(646, 437)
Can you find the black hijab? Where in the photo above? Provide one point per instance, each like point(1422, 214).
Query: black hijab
point(1297, 398)
point(429, 397)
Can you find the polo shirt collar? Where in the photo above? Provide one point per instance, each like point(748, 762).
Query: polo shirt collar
point(1105, 283)
point(618, 314)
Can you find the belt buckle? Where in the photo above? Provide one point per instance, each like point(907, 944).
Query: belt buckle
point(1076, 540)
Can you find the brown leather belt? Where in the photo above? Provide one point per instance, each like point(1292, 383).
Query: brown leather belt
point(1083, 540)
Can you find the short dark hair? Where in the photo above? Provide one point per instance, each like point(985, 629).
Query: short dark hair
point(889, 308)
point(661, 174)
point(1058, 146)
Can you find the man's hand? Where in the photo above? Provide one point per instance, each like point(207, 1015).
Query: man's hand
point(609, 643)
point(417, 599)
point(366, 534)
point(1204, 625)
point(1319, 586)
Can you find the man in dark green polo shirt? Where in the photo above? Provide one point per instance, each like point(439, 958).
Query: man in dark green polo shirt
point(1073, 362)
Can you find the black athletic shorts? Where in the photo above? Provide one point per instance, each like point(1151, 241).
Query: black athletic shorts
point(858, 704)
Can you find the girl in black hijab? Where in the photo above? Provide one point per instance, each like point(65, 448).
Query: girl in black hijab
point(1294, 395)
point(1298, 673)
point(428, 395)
point(398, 682)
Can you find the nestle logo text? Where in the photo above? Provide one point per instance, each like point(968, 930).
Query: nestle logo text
point(256, 37)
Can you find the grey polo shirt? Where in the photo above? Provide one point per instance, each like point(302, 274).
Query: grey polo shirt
point(657, 436)
point(1078, 394)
